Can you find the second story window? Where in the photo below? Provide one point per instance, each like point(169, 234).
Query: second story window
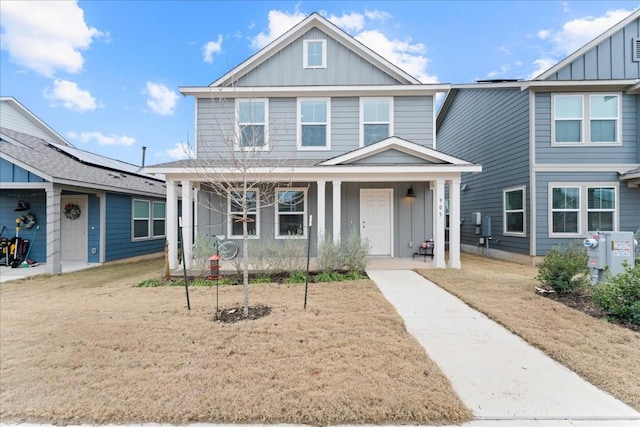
point(313, 123)
point(252, 117)
point(375, 119)
point(586, 119)
point(315, 54)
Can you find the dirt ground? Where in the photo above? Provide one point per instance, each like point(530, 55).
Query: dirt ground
point(90, 347)
point(604, 353)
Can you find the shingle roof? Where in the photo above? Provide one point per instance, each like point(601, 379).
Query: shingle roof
point(53, 164)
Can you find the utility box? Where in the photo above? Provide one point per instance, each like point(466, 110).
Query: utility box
point(609, 249)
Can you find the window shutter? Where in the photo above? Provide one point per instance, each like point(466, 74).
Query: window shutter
point(635, 49)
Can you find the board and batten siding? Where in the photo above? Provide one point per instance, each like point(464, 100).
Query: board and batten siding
point(489, 127)
point(37, 200)
point(610, 59)
point(344, 67)
point(548, 153)
point(10, 172)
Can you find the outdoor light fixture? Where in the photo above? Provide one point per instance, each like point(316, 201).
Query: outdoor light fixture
point(411, 193)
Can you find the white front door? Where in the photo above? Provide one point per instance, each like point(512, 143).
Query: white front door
point(376, 219)
point(73, 231)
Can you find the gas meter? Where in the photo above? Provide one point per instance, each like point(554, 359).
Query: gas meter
point(609, 249)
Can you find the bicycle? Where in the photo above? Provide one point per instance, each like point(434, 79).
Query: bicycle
point(227, 249)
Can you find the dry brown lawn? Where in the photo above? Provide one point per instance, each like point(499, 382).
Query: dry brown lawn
point(91, 347)
point(605, 354)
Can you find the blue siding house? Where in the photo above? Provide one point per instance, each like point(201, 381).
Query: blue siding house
point(72, 205)
point(338, 133)
point(560, 153)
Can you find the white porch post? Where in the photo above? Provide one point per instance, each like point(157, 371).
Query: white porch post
point(54, 245)
point(454, 223)
point(337, 210)
point(172, 220)
point(438, 199)
point(322, 209)
point(187, 223)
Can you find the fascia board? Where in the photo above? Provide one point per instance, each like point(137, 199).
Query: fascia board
point(578, 85)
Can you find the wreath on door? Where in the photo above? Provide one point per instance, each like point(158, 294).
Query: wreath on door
point(28, 220)
point(72, 211)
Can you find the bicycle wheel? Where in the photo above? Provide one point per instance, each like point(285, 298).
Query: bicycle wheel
point(228, 250)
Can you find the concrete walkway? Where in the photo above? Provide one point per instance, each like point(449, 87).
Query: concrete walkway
point(500, 377)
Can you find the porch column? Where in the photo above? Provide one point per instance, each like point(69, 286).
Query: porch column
point(454, 223)
point(172, 221)
point(322, 209)
point(337, 210)
point(187, 223)
point(54, 245)
point(438, 199)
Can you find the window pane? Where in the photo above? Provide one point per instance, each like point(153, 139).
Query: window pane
point(314, 136)
point(236, 225)
point(568, 131)
point(568, 107)
point(236, 201)
point(513, 200)
point(515, 222)
point(600, 221)
point(604, 106)
point(158, 210)
point(601, 198)
point(140, 228)
point(565, 222)
point(314, 52)
point(376, 111)
point(603, 131)
point(291, 201)
point(291, 225)
point(313, 111)
point(158, 227)
point(252, 135)
point(566, 198)
point(140, 209)
point(375, 133)
point(251, 111)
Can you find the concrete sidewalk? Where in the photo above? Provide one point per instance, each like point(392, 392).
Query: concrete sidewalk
point(500, 377)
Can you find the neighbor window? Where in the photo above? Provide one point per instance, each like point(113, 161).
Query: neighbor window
point(239, 204)
point(291, 213)
point(315, 54)
point(148, 219)
point(375, 119)
point(514, 211)
point(313, 123)
point(579, 119)
point(252, 117)
point(577, 209)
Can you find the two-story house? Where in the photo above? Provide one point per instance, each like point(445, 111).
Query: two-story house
point(350, 137)
point(560, 153)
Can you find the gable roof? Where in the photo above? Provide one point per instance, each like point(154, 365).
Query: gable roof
point(593, 43)
point(33, 119)
point(58, 165)
point(317, 21)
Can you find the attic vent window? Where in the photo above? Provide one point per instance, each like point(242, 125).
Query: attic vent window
point(315, 54)
point(635, 49)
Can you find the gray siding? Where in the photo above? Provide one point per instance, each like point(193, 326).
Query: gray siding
point(391, 157)
point(489, 127)
point(554, 154)
point(611, 59)
point(15, 120)
point(413, 119)
point(344, 67)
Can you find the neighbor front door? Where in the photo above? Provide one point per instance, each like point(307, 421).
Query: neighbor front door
point(73, 230)
point(376, 219)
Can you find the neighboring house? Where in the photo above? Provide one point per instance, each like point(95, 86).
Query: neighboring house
point(113, 209)
point(560, 153)
point(347, 134)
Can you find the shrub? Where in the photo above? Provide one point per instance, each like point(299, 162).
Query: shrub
point(328, 276)
point(620, 297)
point(565, 268)
point(296, 277)
point(356, 252)
point(329, 255)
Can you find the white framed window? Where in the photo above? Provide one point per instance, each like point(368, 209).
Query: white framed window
point(252, 116)
point(315, 54)
point(149, 219)
point(376, 119)
point(314, 123)
point(514, 211)
point(236, 206)
point(586, 119)
point(291, 213)
point(576, 209)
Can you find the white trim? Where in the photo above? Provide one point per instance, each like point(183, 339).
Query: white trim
point(533, 230)
point(313, 91)
point(321, 209)
point(237, 146)
point(84, 218)
point(327, 124)
point(585, 119)
point(102, 197)
point(304, 214)
point(230, 234)
point(391, 215)
point(390, 123)
point(305, 53)
point(584, 167)
point(150, 218)
point(337, 210)
point(505, 232)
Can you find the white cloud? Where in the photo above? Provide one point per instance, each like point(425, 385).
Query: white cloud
point(348, 22)
point(101, 139)
point(279, 23)
point(503, 70)
point(162, 100)
point(544, 34)
point(377, 15)
point(180, 151)
point(70, 96)
point(210, 48)
point(46, 36)
point(542, 65)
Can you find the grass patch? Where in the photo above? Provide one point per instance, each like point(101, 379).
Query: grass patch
point(605, 354)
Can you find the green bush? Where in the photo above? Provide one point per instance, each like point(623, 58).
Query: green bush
point(296, 277)
point(620, 296)
point(565, 268)
point(329, 255)
point(356, 252)
point(328, 276)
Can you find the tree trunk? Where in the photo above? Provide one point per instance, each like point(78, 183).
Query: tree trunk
point(245, 261)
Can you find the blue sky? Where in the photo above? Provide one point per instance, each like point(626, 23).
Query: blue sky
point(105, 74)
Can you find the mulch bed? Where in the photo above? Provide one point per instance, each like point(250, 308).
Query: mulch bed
point(235, 314)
